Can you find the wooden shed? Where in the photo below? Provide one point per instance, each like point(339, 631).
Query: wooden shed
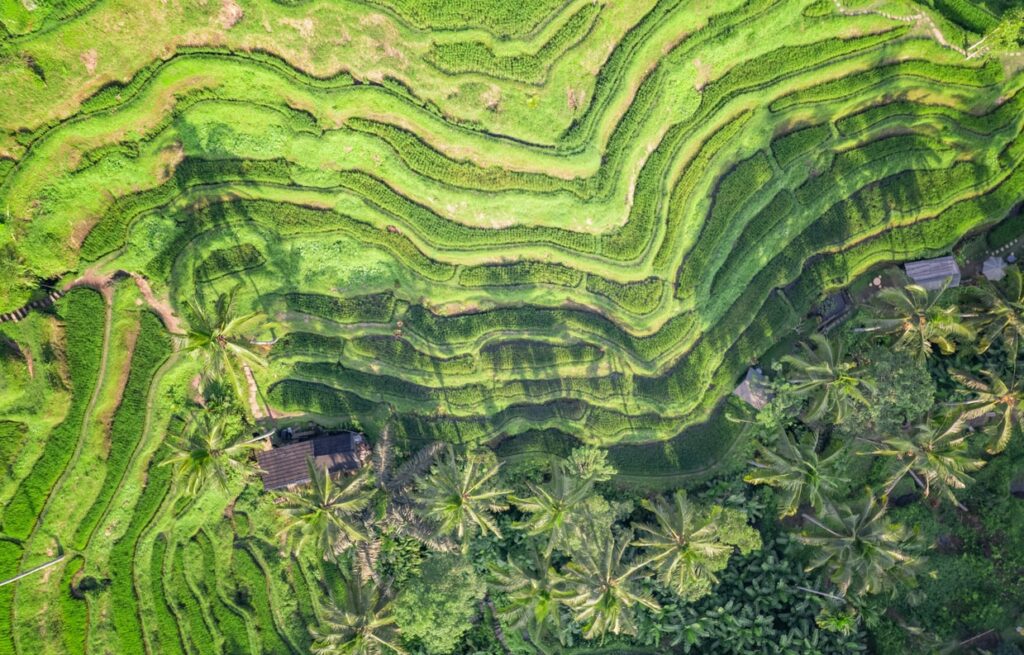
point(933, 273)
point(285, 466)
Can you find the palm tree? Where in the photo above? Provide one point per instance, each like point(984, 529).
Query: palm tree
point(860, 550)
point(913, 315)
point(1006, 401)
point(208, 449)
point(689, 545)
point(551, 507)
point(217, 338)
point(600, 586)
point(795, 468)
point(830, 383)
point(935, 455)
point(530, 596)
point(1002, 306)
point(459, 496)
point(361, 625)
point(326, 510)
point(399, 517)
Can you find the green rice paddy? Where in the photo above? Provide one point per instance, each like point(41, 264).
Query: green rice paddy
point(525, 224)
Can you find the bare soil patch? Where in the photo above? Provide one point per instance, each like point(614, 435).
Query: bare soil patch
point(90, 58)
point(230, 13)
point(305, 27)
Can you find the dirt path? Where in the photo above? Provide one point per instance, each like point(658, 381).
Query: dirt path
point(254, 394)
point(161, 307)
point(923, 18)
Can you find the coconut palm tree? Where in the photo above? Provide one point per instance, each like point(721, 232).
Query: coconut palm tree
point(551, 508)
point(860, 550)
point(1002, 312)
point(218, 339)
point(689, 544)
point(530, 597)
point(935, 455)
point(993, 395)
point(460, 498)
point(823, 377)
point(919, 323)
point(326, 510)
point(361, 624)
point(209, 448)
point(795, 468)
point(395, 486)
point(600, 586)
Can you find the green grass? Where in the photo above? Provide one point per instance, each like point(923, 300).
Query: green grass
point(531, 225)
point(83, 316)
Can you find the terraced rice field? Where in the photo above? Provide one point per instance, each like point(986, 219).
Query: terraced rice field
point(522, 224)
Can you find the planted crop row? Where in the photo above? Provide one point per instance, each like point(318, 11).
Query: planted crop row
point(294, 395)
point(297, 344)
point(124, 601)
point(74, 614)
point(151, 349)
point(230, 624)
point(520, 273)
point(477, 57)
point(227, 261)
point(844, 87)
point(737, 188)
point(166, 635)
point(179, 592)
point(251, 583)
point(376, 308)
point(641, 297)
point(82, 312)
point(798, 143)
point(10, 559)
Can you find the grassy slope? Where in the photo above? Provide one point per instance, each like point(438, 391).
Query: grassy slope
point(596, 257)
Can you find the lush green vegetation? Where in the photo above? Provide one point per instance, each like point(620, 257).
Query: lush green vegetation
point(528, 248)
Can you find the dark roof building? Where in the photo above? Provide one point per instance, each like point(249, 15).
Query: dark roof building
point(285, 466)
point(933, 273)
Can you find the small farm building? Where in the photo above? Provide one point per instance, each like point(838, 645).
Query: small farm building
point(933, 273)
point(285, 466)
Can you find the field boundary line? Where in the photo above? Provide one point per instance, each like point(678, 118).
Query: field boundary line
point(33, 570)
point(108, 327)
point(146, 428)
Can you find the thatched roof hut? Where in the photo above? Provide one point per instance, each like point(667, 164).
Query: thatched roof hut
point(285, 466)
